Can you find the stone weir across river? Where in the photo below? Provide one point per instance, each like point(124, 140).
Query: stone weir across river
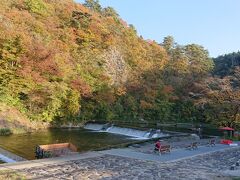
point(133, 133)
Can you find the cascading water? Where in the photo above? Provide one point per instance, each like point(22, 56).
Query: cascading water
point(139, 134)
point(94, 127)
point(127, 132)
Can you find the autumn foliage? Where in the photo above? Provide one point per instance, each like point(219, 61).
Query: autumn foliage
point(61, 61)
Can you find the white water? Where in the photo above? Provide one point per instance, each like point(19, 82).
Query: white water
point(6, 159)
point(94, 127)
point(128, 132)
point(136, 134)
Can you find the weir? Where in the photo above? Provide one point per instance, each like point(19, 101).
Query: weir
point(6, 159)
point(9, 157)
point(94, 127)
point(135, 133)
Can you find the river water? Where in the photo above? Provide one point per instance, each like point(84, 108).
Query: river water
point(85, 140)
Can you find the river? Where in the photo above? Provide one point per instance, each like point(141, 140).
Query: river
point(85, 140)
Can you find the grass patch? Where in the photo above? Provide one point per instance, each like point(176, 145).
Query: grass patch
point(11, 175)
point(5, 132)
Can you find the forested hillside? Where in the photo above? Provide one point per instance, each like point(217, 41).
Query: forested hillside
point(65, 62)
point(226, 64)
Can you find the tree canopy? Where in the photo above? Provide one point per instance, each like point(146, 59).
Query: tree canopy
point(65, 62)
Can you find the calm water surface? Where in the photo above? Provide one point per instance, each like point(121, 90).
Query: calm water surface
point(24, 144)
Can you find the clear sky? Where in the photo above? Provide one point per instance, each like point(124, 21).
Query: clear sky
point(214, 24)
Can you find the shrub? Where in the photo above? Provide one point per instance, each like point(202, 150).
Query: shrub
point(5, 132)
point(37, 7)
point(11, 175)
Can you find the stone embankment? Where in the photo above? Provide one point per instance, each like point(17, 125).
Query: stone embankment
point(207, 166)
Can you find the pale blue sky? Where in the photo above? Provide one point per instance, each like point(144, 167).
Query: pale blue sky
point(215, 24)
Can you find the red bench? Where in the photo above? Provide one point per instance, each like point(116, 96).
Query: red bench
point(226, 141)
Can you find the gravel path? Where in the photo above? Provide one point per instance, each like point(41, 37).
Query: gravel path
point(106, 167)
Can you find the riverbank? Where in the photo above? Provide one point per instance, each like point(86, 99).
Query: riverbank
point(16, 122)
point(214, 164)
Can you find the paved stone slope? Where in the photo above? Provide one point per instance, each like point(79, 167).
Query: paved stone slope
point(107, 167)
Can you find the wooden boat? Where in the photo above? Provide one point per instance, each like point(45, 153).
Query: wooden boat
point(55, 150)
